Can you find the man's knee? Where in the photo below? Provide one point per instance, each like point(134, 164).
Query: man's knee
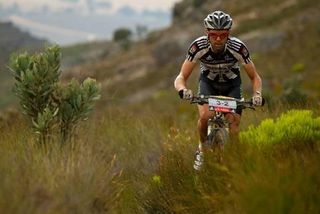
point(203, 121)
point(203, 116)
point(233, 118)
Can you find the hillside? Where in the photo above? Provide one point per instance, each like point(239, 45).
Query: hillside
point(282, 38)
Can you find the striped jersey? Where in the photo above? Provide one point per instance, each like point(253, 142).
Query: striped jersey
point(222, 67)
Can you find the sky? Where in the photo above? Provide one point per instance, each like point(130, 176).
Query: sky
point(109, 5)
point(73, 21)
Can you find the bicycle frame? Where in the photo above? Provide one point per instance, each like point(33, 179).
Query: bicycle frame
point(216, 122)
point(218, 126)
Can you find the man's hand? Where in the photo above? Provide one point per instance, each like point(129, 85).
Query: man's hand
point(257, 99)
point(186, 94)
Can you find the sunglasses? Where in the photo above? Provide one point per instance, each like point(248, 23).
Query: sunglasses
point(216, 35)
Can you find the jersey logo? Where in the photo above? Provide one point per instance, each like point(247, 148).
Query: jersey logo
point(209, 58)
point(228, 58)
point(193, 49)
point(244, 51)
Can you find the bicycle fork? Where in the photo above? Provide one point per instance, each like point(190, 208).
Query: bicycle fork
point(215, 123)
point(211, 132)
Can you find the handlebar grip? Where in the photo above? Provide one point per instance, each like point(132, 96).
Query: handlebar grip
point(262, 104)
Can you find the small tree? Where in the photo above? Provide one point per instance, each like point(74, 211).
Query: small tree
point(123, 36)
point(48, 103)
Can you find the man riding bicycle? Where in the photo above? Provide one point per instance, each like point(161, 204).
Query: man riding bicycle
point(219, 55)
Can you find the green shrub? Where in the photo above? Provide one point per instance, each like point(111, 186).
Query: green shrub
point(77, 101)
point(124, 37)
point(122, 34)
point(294, 125)
point(47, 102)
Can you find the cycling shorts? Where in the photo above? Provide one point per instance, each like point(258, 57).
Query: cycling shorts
point(224, 89)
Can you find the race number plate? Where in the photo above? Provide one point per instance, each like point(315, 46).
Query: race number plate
point(222, 105)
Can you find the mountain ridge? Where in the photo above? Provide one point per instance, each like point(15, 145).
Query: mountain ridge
point(12, 39)
point(57, 26)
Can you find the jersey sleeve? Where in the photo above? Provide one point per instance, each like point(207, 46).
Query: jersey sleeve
point(245, 55)
point(239, 50)
point(192, 52)
point(196, 49)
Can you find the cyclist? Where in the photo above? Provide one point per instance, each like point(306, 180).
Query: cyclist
point(219, 55)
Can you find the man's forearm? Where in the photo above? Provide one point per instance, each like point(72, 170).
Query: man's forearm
point(257, 85)
point(179, 83)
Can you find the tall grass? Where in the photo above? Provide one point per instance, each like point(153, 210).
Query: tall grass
point(52, 180)
point(139, 160)
point(282, 179)
point(103, 170)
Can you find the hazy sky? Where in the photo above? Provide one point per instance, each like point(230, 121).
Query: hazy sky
point(109, 5)
point(83, 20)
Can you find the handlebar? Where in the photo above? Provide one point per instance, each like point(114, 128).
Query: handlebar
point(203, 99)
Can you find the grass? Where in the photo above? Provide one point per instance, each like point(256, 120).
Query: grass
point(51, 180)
point(139, 160)
point(96, 173)
point(280, 180)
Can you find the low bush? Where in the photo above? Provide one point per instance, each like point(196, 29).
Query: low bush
point(48, 103)
point(294, 125)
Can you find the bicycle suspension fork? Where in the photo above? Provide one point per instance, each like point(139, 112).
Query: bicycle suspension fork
point(217, 122)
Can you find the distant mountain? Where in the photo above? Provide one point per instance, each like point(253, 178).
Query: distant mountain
point(70, 26)
point(12, 39)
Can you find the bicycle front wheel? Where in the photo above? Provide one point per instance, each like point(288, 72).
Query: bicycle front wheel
point(220, 140)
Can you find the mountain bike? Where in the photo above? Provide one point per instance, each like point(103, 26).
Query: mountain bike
point(218, 126)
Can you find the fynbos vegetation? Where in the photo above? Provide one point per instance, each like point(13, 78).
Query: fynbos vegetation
point(49, 104)
point(293, 126)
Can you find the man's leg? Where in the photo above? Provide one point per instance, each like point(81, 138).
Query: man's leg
point(205, 88)
point(204, 115)
point(234, 129)
point(234, 121)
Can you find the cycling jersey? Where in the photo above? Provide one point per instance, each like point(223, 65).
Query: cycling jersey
point(223, 67)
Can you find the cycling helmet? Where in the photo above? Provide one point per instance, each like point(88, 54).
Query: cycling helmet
point(218, 20)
